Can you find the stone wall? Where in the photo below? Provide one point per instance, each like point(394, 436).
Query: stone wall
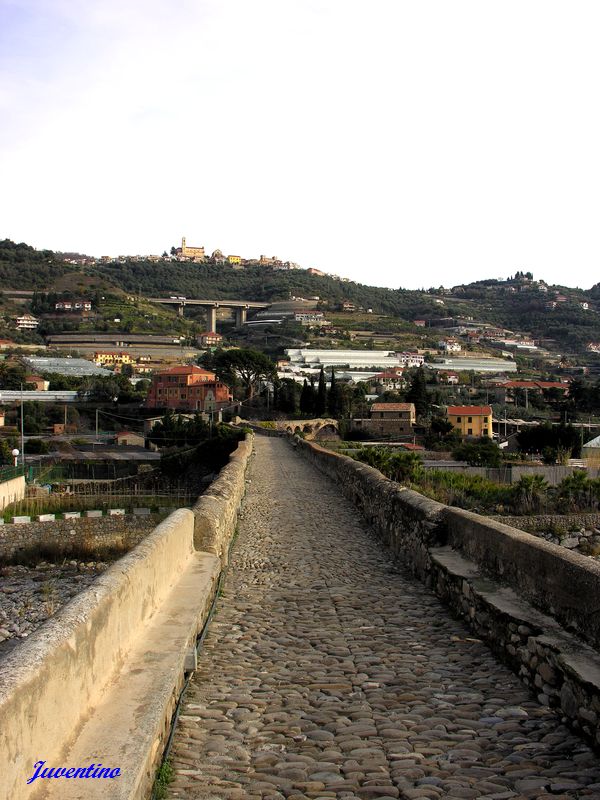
point(533, 602)
point(102, 533)
point(216, 511)
point(552, 522)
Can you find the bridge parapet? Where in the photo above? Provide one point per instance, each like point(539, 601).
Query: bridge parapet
point(102, 677)
point(533, 602)
point(216, 511)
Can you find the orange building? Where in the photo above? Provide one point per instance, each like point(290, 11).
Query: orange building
point(188, 388)
point(473, 421)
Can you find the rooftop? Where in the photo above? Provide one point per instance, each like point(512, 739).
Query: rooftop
point(392, 406)
point(473, 411)
point(183, 369)
point(77, 367)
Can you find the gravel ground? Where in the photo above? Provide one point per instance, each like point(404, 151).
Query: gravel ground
point(329, 673)
point(30, 595)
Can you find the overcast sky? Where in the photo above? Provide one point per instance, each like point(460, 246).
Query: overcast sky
point(396, 143)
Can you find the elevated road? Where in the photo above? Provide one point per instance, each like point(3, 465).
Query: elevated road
point(241, 307)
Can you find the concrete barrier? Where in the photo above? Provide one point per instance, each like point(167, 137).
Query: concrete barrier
point(98, 682)
point(533, 602)
point(216, 511)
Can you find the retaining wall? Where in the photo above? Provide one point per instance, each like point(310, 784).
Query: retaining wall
point(12, 491)
point(102, 533)
point(533, 602)
point(553, 522)
point(216, 511)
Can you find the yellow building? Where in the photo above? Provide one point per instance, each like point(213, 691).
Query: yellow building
point(108, 359)
point(475, 421)
point(234, 259)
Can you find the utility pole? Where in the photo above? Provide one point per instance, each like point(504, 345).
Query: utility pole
point(97, 424)
point(22, 431)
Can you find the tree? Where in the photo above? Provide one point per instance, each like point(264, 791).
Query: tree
point(483, 453)
point(529, 493)
point(286, 396)
point(245, 365)
point(334, 401)
point(12, 376)
point(307, 399)
point(173, 430)
point(417, 392)
point(321, 400)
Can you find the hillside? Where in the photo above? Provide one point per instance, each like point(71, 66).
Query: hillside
point(519, 304)
point(516, 305)
point(23, 267)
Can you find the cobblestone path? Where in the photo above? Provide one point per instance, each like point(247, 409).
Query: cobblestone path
point(328, 673)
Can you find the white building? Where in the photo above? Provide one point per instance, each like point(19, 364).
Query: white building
point(379, 360)
point(450, 345)
point(27, 322)
point(411, 360)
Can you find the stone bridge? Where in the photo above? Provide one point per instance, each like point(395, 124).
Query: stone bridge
point(367, 644)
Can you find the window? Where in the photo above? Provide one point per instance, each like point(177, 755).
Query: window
point(459, 419)
point(470, 419)
point(485, 431)
point(470, 432)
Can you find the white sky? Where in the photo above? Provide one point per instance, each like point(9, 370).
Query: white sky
point(396, 143)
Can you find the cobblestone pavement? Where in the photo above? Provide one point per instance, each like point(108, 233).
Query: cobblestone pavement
point(329, 673)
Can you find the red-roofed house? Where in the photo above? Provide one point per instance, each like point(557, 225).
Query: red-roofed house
point(505, 391)
point(475, 421)
point(188, 388)
point(40, 384)
point(390, 380)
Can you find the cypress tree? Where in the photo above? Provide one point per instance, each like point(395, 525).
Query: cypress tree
point(304, 398)
point(334, 399)
point(417, 393)
point(321, 402)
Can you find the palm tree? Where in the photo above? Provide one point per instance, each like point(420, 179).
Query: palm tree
point(529, 493)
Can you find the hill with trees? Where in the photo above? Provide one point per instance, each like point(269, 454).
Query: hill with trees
point(518, 303)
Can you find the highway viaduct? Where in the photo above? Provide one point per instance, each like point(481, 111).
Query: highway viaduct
point(241, 307)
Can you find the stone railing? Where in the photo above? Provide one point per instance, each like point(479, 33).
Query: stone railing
point(217, 509)
point(535, 603)
point(100, 680)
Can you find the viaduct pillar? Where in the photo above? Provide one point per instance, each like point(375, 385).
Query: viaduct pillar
point(211, 319)
point(241, 314)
